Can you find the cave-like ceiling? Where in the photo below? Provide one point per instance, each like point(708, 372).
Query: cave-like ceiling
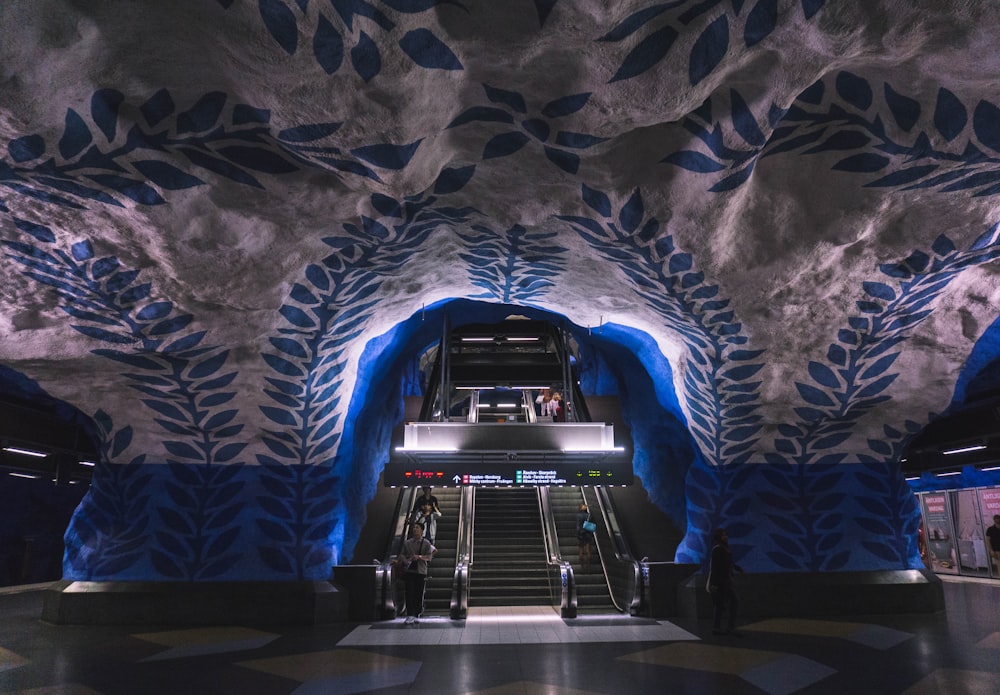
point(209, 208)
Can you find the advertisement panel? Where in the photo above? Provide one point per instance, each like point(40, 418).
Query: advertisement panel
point(989, 506)
point(939, 533)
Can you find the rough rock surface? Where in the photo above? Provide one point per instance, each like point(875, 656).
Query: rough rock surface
point(209, 209)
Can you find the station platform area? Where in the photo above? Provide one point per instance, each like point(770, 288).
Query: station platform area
point(522, 651)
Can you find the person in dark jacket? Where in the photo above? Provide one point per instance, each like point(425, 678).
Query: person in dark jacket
point(721, 572)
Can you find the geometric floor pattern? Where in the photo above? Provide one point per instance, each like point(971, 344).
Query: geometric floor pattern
point(515, 652)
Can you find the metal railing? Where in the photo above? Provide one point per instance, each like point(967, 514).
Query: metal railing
point(463, 555)
point(562, 583)
point(385, 589)
point(623, 573)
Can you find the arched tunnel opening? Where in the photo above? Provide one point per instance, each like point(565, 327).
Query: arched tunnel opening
point(613, 360)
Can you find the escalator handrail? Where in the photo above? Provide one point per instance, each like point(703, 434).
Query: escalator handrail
point(554, 560)
point(384, 590)
point(622, 552)
point(459, 608)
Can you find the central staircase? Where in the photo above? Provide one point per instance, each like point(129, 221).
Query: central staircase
point(508, 558)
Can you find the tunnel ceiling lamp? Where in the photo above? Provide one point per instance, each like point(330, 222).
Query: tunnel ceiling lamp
point(941, 475)
point(89, 464)
point(25, 452)
point(991, 468)
point(24, 475)
point(522, 339)
point(477, 340)
point(964, 449)
point(916, 477)
point(428, 450)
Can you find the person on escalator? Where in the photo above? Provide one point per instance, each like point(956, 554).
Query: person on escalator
point(584, 536)
point(413, 557)
point(427, 516)
point(426, 497)
point(558, 408)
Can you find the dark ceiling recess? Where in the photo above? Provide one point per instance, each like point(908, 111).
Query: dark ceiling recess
point(967, 437)
point(37, 441)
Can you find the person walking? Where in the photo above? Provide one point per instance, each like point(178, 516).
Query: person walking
point(721, 573)
point(416, 552)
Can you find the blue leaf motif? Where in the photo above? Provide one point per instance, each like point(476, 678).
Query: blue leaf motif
point(709, 50)
point(166, 175)
point(596, 200)
point(567, 161)
point(309, 133)
point(26, 148)
point(76, 135)
point(986, 123)
point(950, 115)
point(694, 161)
point(865, 162)
point(328, 46)
point(734, 180)
point(813, 395)
point(280, 22)
point(386, 155)
point(104, 105)
point(209, 366)
point(650, 51)
point(38, 231)
point(365, 58)
point(577, 141)
point(879, 366)
point(157, 107)
point(810, 8)
point(429, 51)
point(154, 311)
point(504, 96)
point(632, 213)
point(634, 22)
point(451, 180)
point(760, 22)
point(504, 144)
point(854, 90)
point(879, 290)
point(203, 115)
point(744, 121)
point(905, 110)
point(903, 176)
point(564, 106)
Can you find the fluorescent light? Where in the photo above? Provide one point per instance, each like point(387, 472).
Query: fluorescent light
point(991, 468)
point(91, 464)
point(25, 452)
point(522, 340)
point(435, 449)
point(914, 478)
point(477, 340)
point(24, 475)
point(974, 447)
point(504, 405)
point(941, 475)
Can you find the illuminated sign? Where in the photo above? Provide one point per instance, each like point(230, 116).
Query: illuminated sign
point(463, 474)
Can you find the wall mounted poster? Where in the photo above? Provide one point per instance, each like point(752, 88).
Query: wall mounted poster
point(938, 531)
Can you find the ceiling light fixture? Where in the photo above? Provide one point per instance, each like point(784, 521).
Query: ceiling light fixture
point(964, 449)
point(25, 452)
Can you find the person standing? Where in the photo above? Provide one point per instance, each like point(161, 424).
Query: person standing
point(993, 535)
point(721, 573)
point(427, 516)
point(584, 537)
point(416, 552)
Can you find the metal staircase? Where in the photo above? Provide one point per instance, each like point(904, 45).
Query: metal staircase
point(509, 565)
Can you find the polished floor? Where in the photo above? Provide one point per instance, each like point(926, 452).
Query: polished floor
point(501, 651)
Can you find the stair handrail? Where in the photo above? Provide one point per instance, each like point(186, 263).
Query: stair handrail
point(554, 560)
point(459, 608)
point(385, 598)
point(635, 592)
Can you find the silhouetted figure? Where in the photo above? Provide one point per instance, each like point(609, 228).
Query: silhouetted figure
point(721, 573)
